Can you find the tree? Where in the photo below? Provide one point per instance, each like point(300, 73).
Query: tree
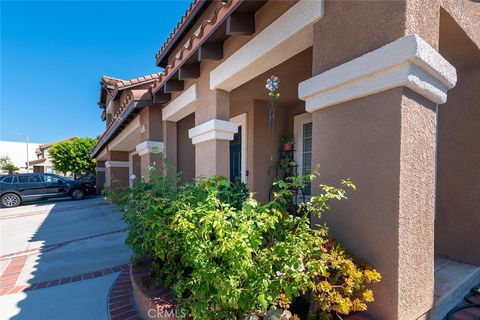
point(73, 155)
point(7, 165)
point(10, 168)
point(4, 160)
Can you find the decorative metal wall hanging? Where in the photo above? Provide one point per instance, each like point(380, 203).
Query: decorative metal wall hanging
point(272, 85)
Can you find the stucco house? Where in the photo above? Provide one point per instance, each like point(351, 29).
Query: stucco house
point(384, 92)
point(43, 162)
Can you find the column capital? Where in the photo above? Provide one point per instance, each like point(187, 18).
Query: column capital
point(149, 146)
point(214, 129)
point(409, 61)
point(116, 164)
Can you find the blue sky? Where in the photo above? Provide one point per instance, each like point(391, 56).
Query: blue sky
point(53, 55)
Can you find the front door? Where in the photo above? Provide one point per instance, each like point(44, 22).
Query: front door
point(236, 156)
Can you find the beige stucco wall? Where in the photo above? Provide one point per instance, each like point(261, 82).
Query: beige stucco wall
point(100, 176)
point(185, 148)
point(137, 167)
point(458, 192)
point(151, 117)
point(118, 176)
point(252, 98)
point(376, 141)
point(100, 181)
point(466, 14)
point(151, 160)
point(386, 144)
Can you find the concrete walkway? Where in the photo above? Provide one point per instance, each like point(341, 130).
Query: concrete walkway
point(58, 260)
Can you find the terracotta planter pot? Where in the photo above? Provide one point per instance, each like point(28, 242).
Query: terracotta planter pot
point(287, 146)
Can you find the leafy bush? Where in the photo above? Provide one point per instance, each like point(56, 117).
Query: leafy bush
point(228, 256)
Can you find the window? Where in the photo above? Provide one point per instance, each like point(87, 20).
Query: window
point(29, 179)
point(307, 154)
point(7, 180)
point(50, 178)
point(302, 131)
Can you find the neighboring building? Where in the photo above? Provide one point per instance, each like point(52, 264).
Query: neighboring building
point(364, 88)
point(43, 163)
point(17, 151)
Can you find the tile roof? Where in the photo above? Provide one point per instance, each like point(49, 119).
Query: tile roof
point(114, 85)
point(132, 96)
point(193, 42)
point(157, 80)
point(179, 25)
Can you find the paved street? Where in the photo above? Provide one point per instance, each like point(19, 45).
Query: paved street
point(58, 260)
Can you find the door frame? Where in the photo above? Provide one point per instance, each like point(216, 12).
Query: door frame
point(241, 120)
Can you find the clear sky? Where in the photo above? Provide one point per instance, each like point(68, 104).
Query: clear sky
point(53, 55)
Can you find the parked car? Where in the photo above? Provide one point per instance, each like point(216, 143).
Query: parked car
point(14, 189)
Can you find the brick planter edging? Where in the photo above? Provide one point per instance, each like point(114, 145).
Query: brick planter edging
point(163, 306)
point(160, 306)
point(120, 305)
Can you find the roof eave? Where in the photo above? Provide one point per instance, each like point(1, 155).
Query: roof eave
point(163, 54)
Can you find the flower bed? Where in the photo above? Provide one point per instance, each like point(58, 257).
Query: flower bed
point(226, 256)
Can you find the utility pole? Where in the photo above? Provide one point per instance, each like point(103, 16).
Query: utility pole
point(26, 138)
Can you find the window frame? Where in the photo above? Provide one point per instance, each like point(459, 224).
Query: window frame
point(298, 122)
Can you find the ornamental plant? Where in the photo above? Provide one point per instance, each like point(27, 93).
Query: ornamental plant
point(227, 256)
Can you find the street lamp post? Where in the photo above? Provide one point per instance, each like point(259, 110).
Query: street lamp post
point(26, 139)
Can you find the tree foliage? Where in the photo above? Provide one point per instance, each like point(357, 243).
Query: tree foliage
point(73, 155)
point(7, 165)
point(5, 159)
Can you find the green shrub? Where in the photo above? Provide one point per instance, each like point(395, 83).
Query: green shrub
point(228, 256)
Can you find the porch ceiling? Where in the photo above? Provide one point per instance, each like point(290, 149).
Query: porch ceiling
point(128, 139)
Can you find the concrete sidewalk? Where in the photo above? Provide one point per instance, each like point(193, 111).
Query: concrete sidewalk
point(58, 260)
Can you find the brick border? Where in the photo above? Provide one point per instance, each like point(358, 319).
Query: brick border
point(161, 300)
point(12, 288)
point(10, 276)
point(120, 304)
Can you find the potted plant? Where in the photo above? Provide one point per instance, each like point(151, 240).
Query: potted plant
point(287, 142)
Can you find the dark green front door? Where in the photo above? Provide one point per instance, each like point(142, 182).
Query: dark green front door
point(236, 155)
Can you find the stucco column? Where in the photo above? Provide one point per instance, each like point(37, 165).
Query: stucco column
point(170, 143)
point(117, 169)
point(151, 156)
point(212, 132)
point(100, 176)
point(374, 120)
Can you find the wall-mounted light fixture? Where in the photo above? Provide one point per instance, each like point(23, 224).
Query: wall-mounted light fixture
point(142, 128)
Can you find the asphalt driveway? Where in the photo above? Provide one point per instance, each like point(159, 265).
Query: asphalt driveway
point(59, 260)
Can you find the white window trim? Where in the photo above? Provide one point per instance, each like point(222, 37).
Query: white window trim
point(298, 122)
point(241, 120)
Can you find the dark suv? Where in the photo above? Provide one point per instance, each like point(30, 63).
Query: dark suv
point(14, 189)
